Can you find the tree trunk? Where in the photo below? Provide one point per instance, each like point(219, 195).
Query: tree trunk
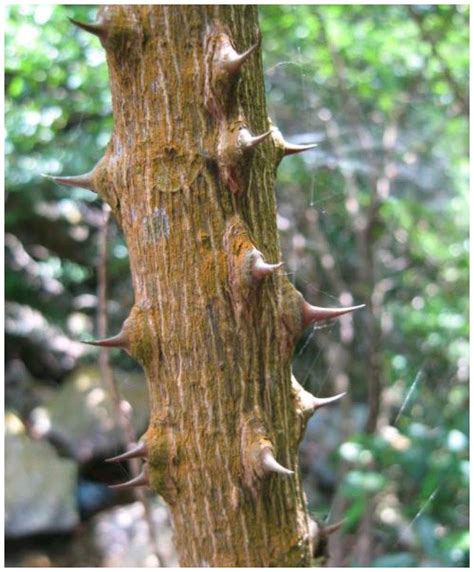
point(215, 319)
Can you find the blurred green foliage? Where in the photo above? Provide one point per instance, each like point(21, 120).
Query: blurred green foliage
point(384, 91)
point(379, 210)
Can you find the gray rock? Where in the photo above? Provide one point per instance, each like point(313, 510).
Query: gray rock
point(121, 536)
point(20, 393)
point(79, 419)
point(39, 486)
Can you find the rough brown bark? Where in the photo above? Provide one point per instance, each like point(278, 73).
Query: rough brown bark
point(213, 326)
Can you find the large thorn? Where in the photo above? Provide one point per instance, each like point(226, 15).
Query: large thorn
point(248, 141)
point(83, 181)
point(270, 464)
point(97, 29)
point(139, 451)
point(317, 314)
point(119, 341)
point(260, 268)
point(141, 481)
point(328, 530)
point(290, 149)
point(322, 401)
point(234, 61)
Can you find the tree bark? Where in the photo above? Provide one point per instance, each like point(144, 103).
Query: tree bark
point(215, 319)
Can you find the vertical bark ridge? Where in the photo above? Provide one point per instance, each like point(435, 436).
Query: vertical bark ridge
point(210, 337)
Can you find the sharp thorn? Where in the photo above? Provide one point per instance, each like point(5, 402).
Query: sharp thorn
point(139, 451)
point(98, 30)
point(141, 480)
point(260, 268)
point(328, 530)
point(253, 141)
point(317, 314)
point(248, 141)
point(322, 401)
point(83, 181)
point(271, 465)
point(290, 149)
point(119, 341)
point(234, 64)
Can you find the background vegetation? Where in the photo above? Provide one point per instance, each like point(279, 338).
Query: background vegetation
point(378, 213)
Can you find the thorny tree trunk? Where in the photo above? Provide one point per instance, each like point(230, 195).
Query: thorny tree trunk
point(214, 323)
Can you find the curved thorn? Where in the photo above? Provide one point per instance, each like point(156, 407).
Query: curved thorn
point(317, 314)
point(322, 401)
point(258, 138)
point(260, 268)
point(271, 465)
point(83, 181)
point(119, 341)
point(139, 451)
point(328, 530)
point(140, 481)
point(98, 30)
point(234, 64)
point(291, 149)
point(249, 141)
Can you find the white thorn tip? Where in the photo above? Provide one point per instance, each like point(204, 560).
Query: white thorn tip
point(322, 401)
point(260, 268)
point(247, 141)
point(234, 63)
point(271, 465)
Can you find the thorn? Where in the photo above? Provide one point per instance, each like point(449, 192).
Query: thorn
point(141, 480)
point(290, 149)
point(270, 464)
point(98, 30)
point(322, 401)
point(119, 341)
point(234, 61)
point(328, 530)
point(317, 314)
point(83, 181)
point(248, 141)
point(139, 451)
point(260, 268)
